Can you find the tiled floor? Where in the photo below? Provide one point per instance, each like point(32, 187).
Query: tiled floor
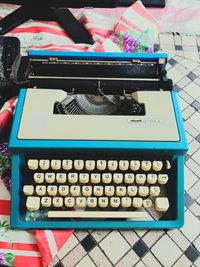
point(180, 248)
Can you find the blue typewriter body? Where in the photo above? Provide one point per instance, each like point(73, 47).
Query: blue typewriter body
point(26, 143)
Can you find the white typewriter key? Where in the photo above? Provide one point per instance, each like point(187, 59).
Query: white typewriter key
point(123, 165)
point(90, 165)
point(121, 191)
point(73, 178)
point(95, 178)
point(168, 165)
point(98, 190)
point(50, 177)
point(28, 190)
point(57, 202)
point(140, 178)
point(143, 191)
point(115, 202)
point(44, 164)
point(52, 190)
point(103, 202)
point(69, 202)
point(55, 164)
point(157, 165)
point(84, 178)
point(132, 190)
point(154, 191)
point(33, 203)
point(38, 178)
point(40, 190)
point(126, 202)
point(92, 202)
point(152, 178)
point(112, 165)
point(78, 164)
point(61, 178)
point(135, 165)
point(163, 178)
point(32, 164)
point(46, 202)
point(117, 178)
point(101, 165)
point(63, 190)
point(129, 178)
point(87, 191)
point(146, 165)
point(162, 204)
point(106, 178)
point(75, 190)
point(80, 202)
point(137, 202)
point(67, 164)
point(109, 190)
point(147, 203)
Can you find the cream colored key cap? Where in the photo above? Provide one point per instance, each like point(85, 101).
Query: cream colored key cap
point(84, 178)
point(132, 190)
point(103, 202)
point(106, 178)
point(135, 165)
point(121, 191)
point(44, 164)
point(117, 178)
point(163, 178)
point(137, 202)
point(56, 164)
point(78, 164)
point(40, 190)
point(33, 164)
point(73, 178)
point(140, 178)
point(75, 190)
point(112, 165)
point(143, 191)
point(81, 202)
point(38, 178)
point(154, 191)
point(28, 190)
point(69, 202)
point(46, 202)
point(147, 203)
point(123, 165)
point(101, 165)
point(168, 165)
point(58, 202)
point(61, 178)
point(95, 178)
point(146, 165)
point(162, 204)
point(126, 202)
point(63, 190)
point(98, 190)
point(52, 190)
point(33, 203)
point(50, 177)
point(115, 202)
point(90, 165)
point(129, 178)
point(67, 164)
point(157, 165)
point(87, 191)
point(91, 202)
point(109, 190)
point(152, 178)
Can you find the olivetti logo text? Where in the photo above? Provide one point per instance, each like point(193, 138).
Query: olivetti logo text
point(145, 121)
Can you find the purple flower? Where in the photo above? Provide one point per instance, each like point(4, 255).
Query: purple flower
point(7, 182)
point(130, 43)
point(3, 260)
point(149, 50)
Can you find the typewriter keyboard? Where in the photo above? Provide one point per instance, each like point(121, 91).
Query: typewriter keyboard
point(100, 188)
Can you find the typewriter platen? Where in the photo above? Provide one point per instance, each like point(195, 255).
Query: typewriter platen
point(97, 142)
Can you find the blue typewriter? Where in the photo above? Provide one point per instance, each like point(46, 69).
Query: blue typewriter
point(97, 142)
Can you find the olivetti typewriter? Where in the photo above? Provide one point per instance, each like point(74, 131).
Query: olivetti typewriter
point(97, 142)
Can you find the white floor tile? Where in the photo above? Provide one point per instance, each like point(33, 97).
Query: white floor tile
point(99, 258)
point(183, 262)
point(194, 121)
point(195, 208)
point(69, 245)
point(194, 191)
point(197, 243)
point(177, 236)
point(193, 148)
point(175, 75)
point(190, 178)
point(196, 155)
point(130, 259)
point(193, 166)
point(193, 90)
point(86, 262)
point(190, 129)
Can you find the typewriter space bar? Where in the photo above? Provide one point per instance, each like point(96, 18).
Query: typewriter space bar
point(98, 214)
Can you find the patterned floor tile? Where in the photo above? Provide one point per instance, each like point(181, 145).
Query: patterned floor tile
point(197, 243)
point(68, 246)
point(190, 178)
point(191, 221)
point(140, 248)
point(192, 89)
point(74, 256)
point(192, 253)
point(178, 237)
point(85, 262)
point(194, 146)
point(149, 260)
point(183, 261)
point(194, 191)
point(130, 236)
point(98, 235)
point(80, 234)
point(130, 259)
point(152, 236)
point(99, 258)
point(140, 264)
